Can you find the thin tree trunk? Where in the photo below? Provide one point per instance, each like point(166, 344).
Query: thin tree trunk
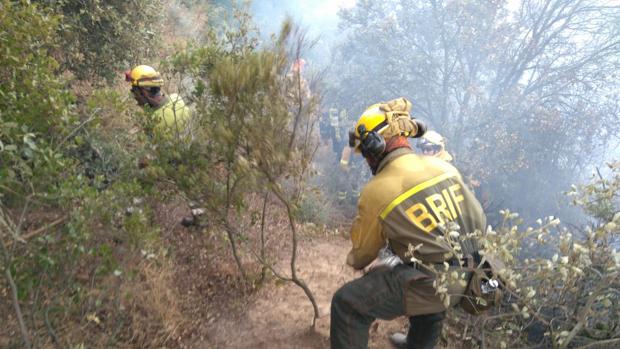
point(233, 247)
point(264, 269)
point(299, 282)
point(50, 329)
point(300, 104)
point(229, 230)
point(585, 311)
point(16, 307)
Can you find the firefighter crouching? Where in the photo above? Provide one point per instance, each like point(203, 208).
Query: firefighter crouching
point(405, 204)
point(170, 118)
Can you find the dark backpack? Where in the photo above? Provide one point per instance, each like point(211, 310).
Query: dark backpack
point(485, 288)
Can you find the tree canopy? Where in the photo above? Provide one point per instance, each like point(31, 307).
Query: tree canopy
point(526, 97)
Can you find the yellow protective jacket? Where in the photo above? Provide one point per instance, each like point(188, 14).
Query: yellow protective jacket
point(445, 156)
point(404, 204)
point(172, 118)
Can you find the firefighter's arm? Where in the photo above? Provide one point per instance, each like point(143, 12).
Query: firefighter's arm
point(367, 238)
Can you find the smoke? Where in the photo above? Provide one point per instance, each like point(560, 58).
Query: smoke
point(319, 18)
point(511, 120)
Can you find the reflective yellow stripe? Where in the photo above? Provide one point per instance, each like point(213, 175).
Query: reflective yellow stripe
point(404, 196)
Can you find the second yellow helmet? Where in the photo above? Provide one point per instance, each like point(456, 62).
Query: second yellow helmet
point(144, 76)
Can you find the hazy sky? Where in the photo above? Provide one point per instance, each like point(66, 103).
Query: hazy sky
point(316, 15)
point(321, 15)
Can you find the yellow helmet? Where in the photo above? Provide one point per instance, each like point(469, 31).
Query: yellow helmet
point(373, 119)
point(144, 76)
point(387, 119)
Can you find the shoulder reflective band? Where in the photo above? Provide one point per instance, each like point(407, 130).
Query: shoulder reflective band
point(404, 196)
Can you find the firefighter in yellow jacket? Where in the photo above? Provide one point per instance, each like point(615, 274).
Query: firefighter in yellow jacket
point(170, 116)
point(405, 205)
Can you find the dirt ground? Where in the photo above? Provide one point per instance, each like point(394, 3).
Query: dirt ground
point(278, 315)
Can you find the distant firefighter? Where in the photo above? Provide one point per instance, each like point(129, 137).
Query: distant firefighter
point(434, 144)
point(170, 118)
point(170, 115)
point(334, 126)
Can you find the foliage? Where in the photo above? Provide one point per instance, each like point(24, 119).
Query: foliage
point(81, 184)
point(34, 108)
point(100, 38)
point(253, 134)
point(599, 199)
point(315, 208)
point(566, 297)
point(74, 213)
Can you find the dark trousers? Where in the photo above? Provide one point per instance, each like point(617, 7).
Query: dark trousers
point(377, 295)
point(424, 330)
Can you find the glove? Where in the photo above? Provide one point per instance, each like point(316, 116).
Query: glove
point(388, 258)
point(385, 259)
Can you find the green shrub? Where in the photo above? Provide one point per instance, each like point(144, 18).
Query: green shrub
point(315, 208)
point(100, 39)
point(565, 296)
point(35, 113)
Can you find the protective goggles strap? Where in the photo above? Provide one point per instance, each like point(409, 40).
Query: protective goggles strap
point(147, 79)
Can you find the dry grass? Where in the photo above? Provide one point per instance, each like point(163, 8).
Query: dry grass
point(155, 317)
point(141, 311)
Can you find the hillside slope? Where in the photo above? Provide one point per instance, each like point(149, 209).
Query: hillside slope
point(278, 315)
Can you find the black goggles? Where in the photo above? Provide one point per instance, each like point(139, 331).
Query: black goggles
point(428, 147)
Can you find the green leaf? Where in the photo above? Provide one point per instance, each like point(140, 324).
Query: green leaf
point(29, 141)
